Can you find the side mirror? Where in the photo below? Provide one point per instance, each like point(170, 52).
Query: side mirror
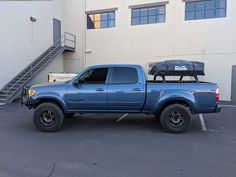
point(77, 82)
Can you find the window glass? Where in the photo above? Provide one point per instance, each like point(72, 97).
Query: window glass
point(199, 14)
point(148, 15)
point(135, 21)
point(210, 14)
point(210, 4)
point(143, 20)
point(161, 10)
point(190, 6)
point(104, 24)
point(220, 3)
point(111, 23)
point(220, 13)
point(104, 16)
point(161, 18)
point(143, 12)
point(152, 11)
point(101, 20)
point(205, 9)
point(111, 16)
point(135, 13)
point(152, 19)
point(124, 76)
point(189, 15)
point(97, 17)
point(199, 5)
point(95, 76)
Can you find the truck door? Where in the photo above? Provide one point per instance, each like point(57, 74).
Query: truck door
point(90, 93)
point(125, 91)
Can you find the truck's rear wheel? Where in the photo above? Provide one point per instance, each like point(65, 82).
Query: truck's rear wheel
point(48, 117)
point(176, 118)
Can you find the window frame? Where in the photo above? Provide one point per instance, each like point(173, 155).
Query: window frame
point(205, 10)
point(92, 21)
point(112, 72)
point(157, 14)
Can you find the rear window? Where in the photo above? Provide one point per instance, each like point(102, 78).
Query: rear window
point(124, 76)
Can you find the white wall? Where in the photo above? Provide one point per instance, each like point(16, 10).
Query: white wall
point(75, 22)
point(212, 41)
point(21, 40)
point(54, 67)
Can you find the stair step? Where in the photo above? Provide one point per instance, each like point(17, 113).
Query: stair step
point(3, 97)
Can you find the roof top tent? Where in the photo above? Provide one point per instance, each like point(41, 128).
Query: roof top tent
point(180, 68)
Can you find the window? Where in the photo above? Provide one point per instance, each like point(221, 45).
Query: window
point(101, 20)
point(95, 76)
point(205, 9)
point(124, 76)
point(148, 15)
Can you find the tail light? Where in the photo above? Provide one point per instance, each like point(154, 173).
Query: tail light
point(217, 94)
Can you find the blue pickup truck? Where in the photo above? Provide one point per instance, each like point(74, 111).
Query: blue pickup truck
point(121, 89)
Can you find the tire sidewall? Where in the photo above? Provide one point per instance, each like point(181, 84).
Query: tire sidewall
point(58, 119)
point(186, 115)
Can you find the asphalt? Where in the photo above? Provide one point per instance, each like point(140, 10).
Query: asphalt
point(96, 145)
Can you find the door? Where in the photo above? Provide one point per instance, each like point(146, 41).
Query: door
point(56, 32)
point(125, 92)
point(90, 93)
point(233, 88)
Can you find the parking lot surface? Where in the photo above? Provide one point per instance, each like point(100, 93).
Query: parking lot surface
point(116, 145)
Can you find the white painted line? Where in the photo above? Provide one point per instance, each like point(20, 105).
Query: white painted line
point(202, 122)
point(122, 117)
point(228, 106)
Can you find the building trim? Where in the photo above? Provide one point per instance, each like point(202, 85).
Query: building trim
point(192, 0)
point(101, 10)
point(148, 5)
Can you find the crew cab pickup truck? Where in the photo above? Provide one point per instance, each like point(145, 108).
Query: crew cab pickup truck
point(120, 89)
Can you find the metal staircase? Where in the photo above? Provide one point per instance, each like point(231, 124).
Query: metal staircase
point(13, 88)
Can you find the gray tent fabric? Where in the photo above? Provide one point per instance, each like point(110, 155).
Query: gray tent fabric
point(177, 68)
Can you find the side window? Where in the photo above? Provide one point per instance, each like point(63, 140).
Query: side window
point(95, 76)
point(124, 76)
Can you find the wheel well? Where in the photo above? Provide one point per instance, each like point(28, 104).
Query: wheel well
point(50, 100)
point(168, 103)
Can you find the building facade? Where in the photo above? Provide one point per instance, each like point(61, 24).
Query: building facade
point(139, 32)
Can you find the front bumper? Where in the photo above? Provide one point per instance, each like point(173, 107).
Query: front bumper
point(26, 100)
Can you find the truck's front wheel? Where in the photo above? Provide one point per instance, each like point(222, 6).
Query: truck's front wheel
point(176, 118)
point(48, 117)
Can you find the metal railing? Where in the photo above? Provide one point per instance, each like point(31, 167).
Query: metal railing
point(68, 40)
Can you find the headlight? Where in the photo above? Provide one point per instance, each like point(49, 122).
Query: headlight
point(31, 92)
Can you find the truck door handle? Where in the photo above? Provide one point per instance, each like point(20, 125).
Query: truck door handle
point(137, 90)
point(100, 90)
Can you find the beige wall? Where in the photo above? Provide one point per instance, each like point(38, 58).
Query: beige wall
point(75, 22)
point(212, 41)
point(21, 42)
point(54, 67)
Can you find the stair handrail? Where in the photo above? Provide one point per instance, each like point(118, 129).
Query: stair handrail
point(30, 72)
point(62, 41)
point(4, 88)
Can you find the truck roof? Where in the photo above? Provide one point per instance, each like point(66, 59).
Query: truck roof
point(114, 65)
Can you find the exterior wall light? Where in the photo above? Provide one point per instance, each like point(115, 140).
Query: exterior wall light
point(32, 19)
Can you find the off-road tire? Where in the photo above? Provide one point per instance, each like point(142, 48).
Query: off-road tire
point(48, 117)
point(176, 118)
